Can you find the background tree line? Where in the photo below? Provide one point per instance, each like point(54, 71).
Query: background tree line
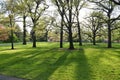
point(62, 24)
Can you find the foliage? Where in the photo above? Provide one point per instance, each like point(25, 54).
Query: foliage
point(3, 33)
point(18, 33)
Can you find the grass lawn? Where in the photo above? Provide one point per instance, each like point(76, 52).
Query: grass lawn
point(48, 62)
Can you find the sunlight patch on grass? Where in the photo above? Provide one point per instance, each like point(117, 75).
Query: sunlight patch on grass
point(65, 72)
point(104, 63)
point(11, 51)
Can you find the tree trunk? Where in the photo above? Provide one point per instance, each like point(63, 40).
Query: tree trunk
point(46, 35)
point(61, 31)
point(34, 37)
point(24, 30)
point(79, 34)
point(94, 38)
point(34, 40)
point(109, 32)
point(78, 26)
point(61, 36)
point(12, 39)
point(109, 36)
point(71, 46)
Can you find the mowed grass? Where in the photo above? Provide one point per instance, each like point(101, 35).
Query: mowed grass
point(48, 62)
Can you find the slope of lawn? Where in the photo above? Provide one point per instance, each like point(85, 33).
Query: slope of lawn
point(48, 62)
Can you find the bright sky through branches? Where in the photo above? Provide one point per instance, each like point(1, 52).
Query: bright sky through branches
point(53, 9)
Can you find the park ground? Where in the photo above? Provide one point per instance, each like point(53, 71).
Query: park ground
point(49, 62)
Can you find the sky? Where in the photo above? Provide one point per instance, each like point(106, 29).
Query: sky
point(83, 11)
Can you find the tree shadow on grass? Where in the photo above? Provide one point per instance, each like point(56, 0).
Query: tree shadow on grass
point(82, 69)
point(18, 58)
point(48, 69)
point(41, 68)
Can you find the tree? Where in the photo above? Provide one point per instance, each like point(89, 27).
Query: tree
point(42, 29)
point(35, 10)
point(66, 8)
point(95, 23)
point(18, 33)
point(3, 30)
point(3, 33)
point(61, 23)
point(116, 2)
point(79, 4)
point(22, 10)
point(61, 29)
point(108, 7)
point(10, 9)
point(116, 31)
